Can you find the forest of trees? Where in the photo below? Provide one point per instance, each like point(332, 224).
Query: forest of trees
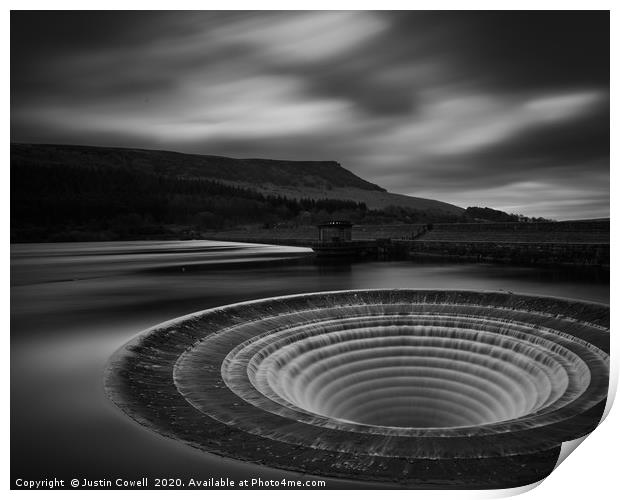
point(102, 203)
point(486, 214)
point(74, 203)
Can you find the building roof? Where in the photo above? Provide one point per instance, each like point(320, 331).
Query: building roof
point(336, 223)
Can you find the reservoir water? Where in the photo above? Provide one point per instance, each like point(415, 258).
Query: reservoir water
point(74, 304)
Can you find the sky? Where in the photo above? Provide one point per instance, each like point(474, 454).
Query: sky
point(508, 110)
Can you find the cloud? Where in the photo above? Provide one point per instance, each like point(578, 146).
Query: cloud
point(305, 37)
point(481, 121)
point(251, 108)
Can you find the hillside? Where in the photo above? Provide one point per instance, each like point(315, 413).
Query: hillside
point(74, 193)
point(292, 179)
point(300, 174)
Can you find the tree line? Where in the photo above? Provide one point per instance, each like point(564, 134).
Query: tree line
point(71, 203)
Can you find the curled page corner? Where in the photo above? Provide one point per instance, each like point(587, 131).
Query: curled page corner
point(567, 448)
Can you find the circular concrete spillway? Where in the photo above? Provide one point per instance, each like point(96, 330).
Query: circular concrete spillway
point(439, 385)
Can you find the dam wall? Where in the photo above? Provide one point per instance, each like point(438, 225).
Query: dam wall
point(579, 254)
point(574, 243)
point(306, 235)
point(582, 243)
point(522, 232)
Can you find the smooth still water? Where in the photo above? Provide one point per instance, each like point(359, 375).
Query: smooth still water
point(74, 304)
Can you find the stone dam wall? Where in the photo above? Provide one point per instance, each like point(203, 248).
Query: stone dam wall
point(580, 243)
point(584, 243)
point(580, 254)
point(536, 232)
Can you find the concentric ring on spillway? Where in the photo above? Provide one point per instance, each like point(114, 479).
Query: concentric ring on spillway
point(380, 374)
point(414, 362)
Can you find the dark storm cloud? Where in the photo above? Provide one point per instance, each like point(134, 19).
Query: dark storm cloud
point(526, 50)
point(506, 109)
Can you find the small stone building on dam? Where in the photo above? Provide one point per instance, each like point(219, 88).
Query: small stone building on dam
point(335, 231)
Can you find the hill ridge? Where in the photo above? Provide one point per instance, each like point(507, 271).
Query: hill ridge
point(295, 179)
point(275, 171)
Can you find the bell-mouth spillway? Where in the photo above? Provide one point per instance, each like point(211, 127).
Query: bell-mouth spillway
point(422, 387)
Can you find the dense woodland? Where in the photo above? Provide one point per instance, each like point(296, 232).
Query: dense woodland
point(72, 203)
point(486, 214)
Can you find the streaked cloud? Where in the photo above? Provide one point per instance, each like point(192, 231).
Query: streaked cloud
point(306, 37)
